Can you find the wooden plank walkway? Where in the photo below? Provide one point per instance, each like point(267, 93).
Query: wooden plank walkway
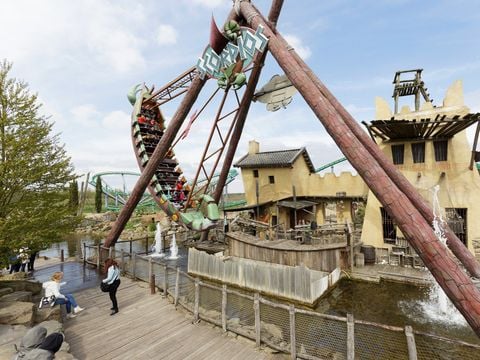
point(149, 327)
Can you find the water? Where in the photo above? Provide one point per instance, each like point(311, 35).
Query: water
point(158, 246)
point(173, 248)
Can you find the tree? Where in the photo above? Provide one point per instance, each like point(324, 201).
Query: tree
point(98, 195)
point(74, 197)
point(34, 172)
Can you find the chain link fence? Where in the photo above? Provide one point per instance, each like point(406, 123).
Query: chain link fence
point(303, 334)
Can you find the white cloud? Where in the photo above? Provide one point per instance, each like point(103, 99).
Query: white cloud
point(302, 50)
point(166, 35)
point(210, 3)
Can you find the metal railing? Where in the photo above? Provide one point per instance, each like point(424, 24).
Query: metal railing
point(302, 333)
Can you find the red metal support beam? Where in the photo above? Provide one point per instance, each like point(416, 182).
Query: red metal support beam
point(456, 284)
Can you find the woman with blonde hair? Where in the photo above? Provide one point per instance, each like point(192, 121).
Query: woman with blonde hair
point(112, 279)
point(52, 287)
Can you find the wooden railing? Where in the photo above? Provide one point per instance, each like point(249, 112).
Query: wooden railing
point(302, 333)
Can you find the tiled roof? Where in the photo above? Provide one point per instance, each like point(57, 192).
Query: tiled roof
point(269, 159)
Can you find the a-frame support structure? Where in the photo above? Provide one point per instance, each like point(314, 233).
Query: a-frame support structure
point(396, 194)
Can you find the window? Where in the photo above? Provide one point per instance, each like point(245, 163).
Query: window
point(255, 173)
point(397, 153)
point(389, 230)
point(418, 152)
point(271, 179)
point(441, 150)
point(457, 221)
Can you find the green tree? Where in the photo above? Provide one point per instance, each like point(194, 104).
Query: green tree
point(74, 197)
point(34, 172)
point(98, 195)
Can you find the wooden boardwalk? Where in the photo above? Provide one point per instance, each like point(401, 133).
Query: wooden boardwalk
point(148, 327)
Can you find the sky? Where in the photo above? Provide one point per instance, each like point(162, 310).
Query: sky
point(82, 57)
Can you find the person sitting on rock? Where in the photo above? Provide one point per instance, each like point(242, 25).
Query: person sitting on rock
point(53, 288)
point(36, 345)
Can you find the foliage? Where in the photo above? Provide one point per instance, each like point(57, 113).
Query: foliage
point(34, 172)
point(73, 197)
point(98, 195)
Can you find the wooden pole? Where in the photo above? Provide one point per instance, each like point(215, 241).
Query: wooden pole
point(62, 255)
point(152, 284)
point(456, 284)
point(256, 308)
point(350, 337)
point(122, 254)
point(84, 254)
point(134, 262)
point(412, 348)
point(165, 280)
point(293, 341)
point(197, 301)
point(224, 307)
point(99, 255)
point(177, 287)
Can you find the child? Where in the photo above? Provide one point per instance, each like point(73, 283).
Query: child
point(53, 288)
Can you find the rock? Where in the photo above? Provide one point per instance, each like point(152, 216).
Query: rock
point(272, 329)
point(34, 287)
point(18, 296)
point(52, 326)
point(48, 313)
point(16, 313)
point(5, 291)
point(63, 355)
point(10, 333)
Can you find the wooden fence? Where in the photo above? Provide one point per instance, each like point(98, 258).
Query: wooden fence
point(302, 333)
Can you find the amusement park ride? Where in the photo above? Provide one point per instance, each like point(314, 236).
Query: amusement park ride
point(241, 49)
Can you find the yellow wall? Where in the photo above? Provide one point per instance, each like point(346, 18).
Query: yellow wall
point(459, 186)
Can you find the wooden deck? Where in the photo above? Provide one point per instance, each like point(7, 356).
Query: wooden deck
point(148, 327)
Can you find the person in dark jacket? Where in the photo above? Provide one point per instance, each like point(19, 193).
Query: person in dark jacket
point(113, 279)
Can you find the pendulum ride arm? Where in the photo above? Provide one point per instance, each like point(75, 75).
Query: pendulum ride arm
point(245, 106)
point(456, 284)
point(158, 155)
point(156, 158)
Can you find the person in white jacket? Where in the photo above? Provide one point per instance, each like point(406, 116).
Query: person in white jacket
point(52, 287)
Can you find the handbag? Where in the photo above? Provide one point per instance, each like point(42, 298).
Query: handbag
point(104, 287)
point(47, 301)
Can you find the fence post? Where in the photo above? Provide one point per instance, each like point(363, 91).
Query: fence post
point(152, 284)
point(256, 308)
point(99, 252)
point(197, 300)
point(122, 253)
point(165, 280)
point(134, 262)
point(350, 338)
point(224, 308)
point(84, 254)
point(293, 340)
point(146, 245)
point(150, 267)
point(412, 348)
point(131, 247)
point(177, 285)
point(62, 255)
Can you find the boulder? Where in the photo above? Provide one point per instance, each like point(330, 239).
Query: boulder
point(9, 336)
point(34, 287)
point(48, 313)
point(16, 313)
point(18, 296)
point(5, 291)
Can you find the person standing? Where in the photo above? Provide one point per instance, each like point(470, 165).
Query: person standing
point(112, 279)
point(53, 288)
